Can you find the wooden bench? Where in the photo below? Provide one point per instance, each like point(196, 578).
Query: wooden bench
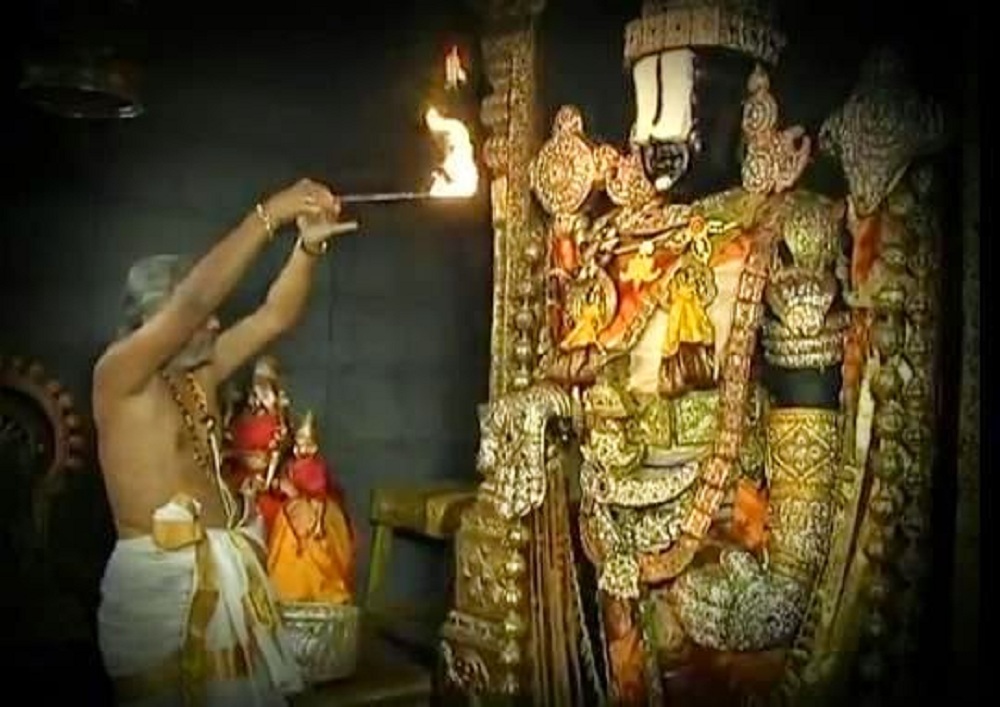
point(424, 511)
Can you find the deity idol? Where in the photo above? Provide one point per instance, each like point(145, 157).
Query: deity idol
point(258, 436)
point(311, 547)
point(750, 402)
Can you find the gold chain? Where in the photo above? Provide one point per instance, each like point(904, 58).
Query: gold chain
point(199, 437)
point(203, 433)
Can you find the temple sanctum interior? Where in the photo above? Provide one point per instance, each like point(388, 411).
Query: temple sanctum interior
point(464, 352)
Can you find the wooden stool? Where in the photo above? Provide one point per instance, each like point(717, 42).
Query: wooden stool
point(425, 511)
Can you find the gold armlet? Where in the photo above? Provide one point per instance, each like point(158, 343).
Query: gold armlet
point(786, 347)
point(803, 446)
point(805, 333)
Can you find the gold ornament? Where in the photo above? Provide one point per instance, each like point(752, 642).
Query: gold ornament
point(745, 26)
point(306, 441)
point(880, 130)
point(775, 159)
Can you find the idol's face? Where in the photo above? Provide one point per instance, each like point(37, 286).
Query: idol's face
point(305, 446)
point(665, 130)
point(688, 113)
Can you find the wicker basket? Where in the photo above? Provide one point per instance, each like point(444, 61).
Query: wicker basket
point(324, 638)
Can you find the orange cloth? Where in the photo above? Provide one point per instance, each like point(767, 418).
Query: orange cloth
point(750, 515)
point(625, 653)
point(632, 295)
point(866, 247)
point(736, 248)
point(627, 666)
point(311, 545)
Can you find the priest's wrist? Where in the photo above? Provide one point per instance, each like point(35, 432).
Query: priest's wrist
point(314, 250)
point(266, 219)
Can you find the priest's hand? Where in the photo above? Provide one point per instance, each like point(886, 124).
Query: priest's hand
point(315, 231)
point(305, 198)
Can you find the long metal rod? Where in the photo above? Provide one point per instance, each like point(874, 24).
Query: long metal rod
point(383, 197)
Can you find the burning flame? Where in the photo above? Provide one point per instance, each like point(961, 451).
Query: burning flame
point(457, 176)
point(454, 73)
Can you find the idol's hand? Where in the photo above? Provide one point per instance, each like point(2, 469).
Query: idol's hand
point(287, 487)
point(305, 198)
point(252, 485)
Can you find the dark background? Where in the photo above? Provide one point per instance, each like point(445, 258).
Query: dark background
point(240, 100)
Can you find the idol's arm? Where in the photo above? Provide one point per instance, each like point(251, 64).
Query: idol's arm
point(803, 351)
point(802, 430)
point(803, 388)
point(762, 603)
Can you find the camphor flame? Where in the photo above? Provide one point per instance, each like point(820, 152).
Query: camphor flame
point(454, 74)
point(458, 175)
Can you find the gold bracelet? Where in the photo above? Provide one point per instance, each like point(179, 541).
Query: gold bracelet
point(319, 250)
point(265, 218)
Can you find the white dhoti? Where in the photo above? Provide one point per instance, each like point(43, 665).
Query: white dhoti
point(187, 617)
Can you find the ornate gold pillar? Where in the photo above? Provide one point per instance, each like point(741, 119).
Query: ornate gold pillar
point(485, 642)
point(510, 114)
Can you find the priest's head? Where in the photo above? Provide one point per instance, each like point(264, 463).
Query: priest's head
point(150, 283)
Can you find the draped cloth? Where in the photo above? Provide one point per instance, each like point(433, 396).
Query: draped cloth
point(187, 617)
point(311, 542)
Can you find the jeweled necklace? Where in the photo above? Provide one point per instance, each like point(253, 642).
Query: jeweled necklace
point(203, 431)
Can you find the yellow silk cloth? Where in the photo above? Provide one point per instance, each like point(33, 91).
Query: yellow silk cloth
point(311, 552)
point(585, 332)
point(687, 320)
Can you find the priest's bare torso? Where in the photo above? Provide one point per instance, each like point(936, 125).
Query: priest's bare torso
point(148, 456)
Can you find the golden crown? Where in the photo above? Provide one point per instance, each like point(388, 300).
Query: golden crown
point(746, 26)
point(306, 432)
